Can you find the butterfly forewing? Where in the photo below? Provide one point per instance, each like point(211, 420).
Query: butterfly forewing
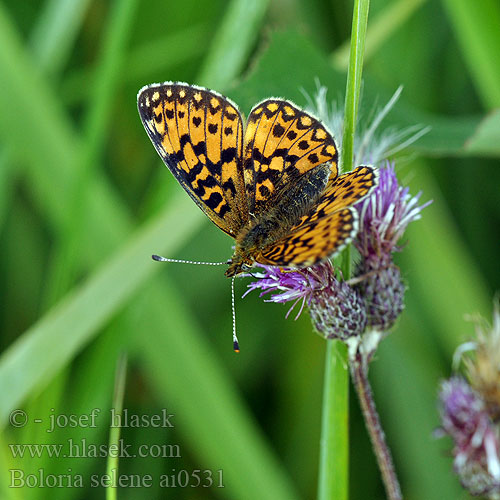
point(281, 143)
point(199, 135)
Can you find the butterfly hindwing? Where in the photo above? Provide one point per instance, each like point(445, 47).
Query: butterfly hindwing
point(342, 192)
point(281, 143)
point(199, 135)
point(313, 242)
point(328, 227)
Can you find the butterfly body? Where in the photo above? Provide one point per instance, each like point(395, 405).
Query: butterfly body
point(273, 185)
point(276, 221)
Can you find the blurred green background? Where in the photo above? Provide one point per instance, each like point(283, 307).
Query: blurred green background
point(85, 201)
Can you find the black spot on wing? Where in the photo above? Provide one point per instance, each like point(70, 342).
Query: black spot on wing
point(264, 191)
point(229, 186)
point(191, 176)
point(228, 155)
point(179, 156)
point(257, 155)
point(291, 159)
point(347, 194)
point(215, 169)
point(223, 210)
point(214, 200)
point(200, 148)
point(280, 152)
point(278, 130)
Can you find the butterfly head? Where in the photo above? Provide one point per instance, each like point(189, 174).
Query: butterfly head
point(239, 264)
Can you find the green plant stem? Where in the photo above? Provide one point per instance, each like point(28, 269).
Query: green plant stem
point(358, 365)
point(390, 19)
point(359, 372)
point(359, 23)
point(333, 479)
point(114, 434)
point(334, 444)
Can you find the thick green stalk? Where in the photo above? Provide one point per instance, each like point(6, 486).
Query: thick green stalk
point(334, 444)
point(359, 22)
point(114, 433)
point(334, 449)
point(388, 20)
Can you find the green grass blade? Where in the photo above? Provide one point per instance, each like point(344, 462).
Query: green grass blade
point(97, 371)
point(457, 285)
point(6, 183)
point(107, 79)
point(334, 442)
point(232, 43)
point(6, 465)
point(52, 38)
point(487, 137)
point(186, 376)
point(63, 267)
point(55, 33)
point(381, 28)
point(114, 434)
point(139, 63)
point(476, 26)
point(18, 80)
point(355, 71)
point(51, 160)
point(70, 325)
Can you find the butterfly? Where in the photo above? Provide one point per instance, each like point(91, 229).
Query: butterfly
point(272, 184)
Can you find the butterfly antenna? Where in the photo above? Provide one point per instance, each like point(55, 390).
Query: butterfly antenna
point(180, 261)
point(236, 345)
point(158, 258)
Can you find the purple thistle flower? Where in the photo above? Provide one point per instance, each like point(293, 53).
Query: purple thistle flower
point(465, 419)
point(384, 216)
point(341, 309)
point(286, 285)
point(337, 310)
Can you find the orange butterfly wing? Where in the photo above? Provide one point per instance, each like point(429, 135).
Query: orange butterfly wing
point(199, 135)
point(328, 227)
